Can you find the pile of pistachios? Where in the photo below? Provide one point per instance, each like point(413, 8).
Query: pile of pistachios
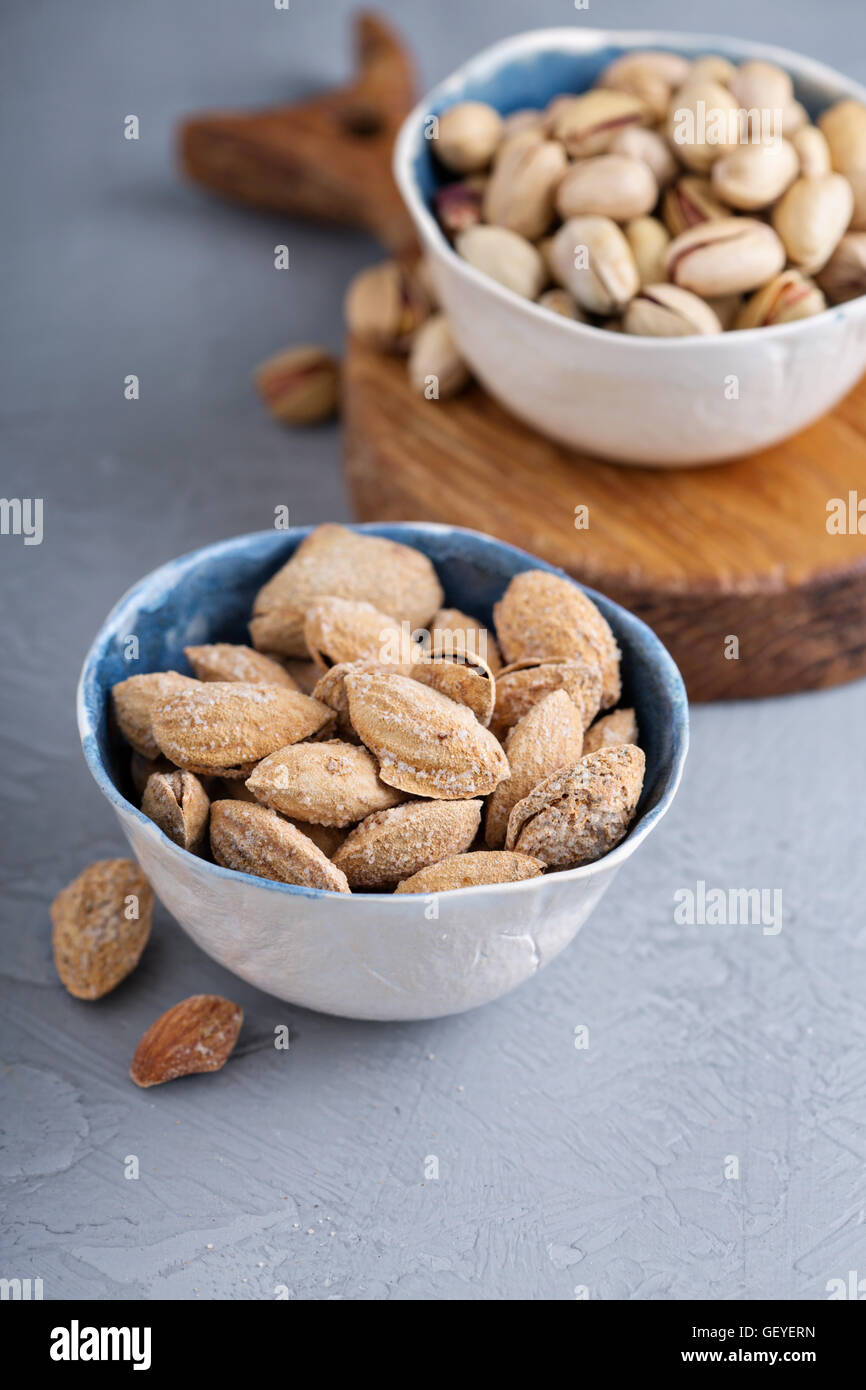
point(676, 197)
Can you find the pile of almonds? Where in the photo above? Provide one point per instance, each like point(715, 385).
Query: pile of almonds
point(371, 739)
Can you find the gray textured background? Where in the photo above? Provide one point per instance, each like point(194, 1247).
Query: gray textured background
point(558, 1168)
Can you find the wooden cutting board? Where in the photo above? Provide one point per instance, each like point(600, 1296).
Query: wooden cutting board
point(732, 565)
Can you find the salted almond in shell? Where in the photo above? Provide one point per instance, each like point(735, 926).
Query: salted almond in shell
point(468, 681)
point(613, 729)
point(255, 840)
point(225, 727)
point(469, 870)
point(541, 615)
point(337, 630)
point(520, 686)
point(197, 1035)
point(134, 701)
point(426, 744)
point(178, 803)
point(333, 560)
point(227, 661)
point(392, 845)
point(579, 813)
point(453, 633)
point(102, 921)
point(325, 837)
point(331, 688)
point(330, 783)
point(549, 736)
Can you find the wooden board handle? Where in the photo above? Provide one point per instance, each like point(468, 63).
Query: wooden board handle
point(329, 158)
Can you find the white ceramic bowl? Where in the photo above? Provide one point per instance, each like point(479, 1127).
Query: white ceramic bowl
point(372, 955)
point(651, 401)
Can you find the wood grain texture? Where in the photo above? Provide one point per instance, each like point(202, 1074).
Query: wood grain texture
point(328, 158)
point(738, 549)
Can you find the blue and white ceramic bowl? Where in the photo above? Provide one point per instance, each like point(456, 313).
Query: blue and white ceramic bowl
point(375, 956)
point(664, 402)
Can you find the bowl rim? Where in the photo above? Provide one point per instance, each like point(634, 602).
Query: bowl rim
point(173, 571)
point(587, 40)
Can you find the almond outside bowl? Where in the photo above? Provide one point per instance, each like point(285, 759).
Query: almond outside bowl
point(376, 955)
point(657, 402)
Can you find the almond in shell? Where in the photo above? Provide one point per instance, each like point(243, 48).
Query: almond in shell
point(549, 736)
point(333, 560)
point(178, 803)
point(327, 838)
point(134, 701)
point(520, 686)
point(324, 837)
point(331, 688)
point(255, 840)
point(453, 633)
point(469, 870)
point(392, 845)
point(102, 921)
point(467, 680)
point(227, 661)
point(197, 1035)
point(579, 813)
point(541, 615)
point(329, 783)
point(225, 727)
point(611, 730)
point(337, 630)
point(426, 744)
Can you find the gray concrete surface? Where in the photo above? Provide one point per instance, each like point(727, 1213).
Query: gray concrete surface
point(606, 1169)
